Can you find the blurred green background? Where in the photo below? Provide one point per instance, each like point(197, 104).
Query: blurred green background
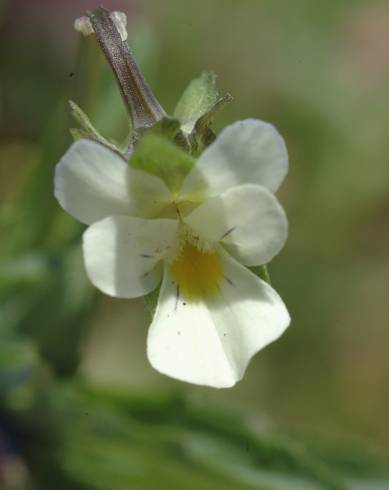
point(319, 71)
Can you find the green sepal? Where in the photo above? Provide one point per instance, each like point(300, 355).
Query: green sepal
point(158, 156)
point(77, 134)
point(168, 127)
point(88, 131)
point(195, 111)
point(202, 134)
point(262, 272)
point(151, 301)
point(197, 99)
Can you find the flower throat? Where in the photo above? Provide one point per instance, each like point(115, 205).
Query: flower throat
point(196, 272)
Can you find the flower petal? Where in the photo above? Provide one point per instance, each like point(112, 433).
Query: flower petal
point(247, 219)
point(211, 342)
point(249, 151)
point(92, 182)
point(121, 254)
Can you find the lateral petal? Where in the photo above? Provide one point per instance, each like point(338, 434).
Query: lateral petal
point(122, 254)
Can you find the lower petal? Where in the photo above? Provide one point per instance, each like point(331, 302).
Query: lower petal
point(248, 314)
point(211, 341)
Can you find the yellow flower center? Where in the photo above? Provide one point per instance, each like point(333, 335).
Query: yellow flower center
point(197, 273)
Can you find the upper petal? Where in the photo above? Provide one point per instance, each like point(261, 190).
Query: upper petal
point(247, 219)
point(210, 342)
point(121, 254)
point(249, 151)
point(92, 182)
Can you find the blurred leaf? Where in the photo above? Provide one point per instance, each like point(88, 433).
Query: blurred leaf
point(18, 362)
point(230, 459)
point(58, 317)
point(26, 270)
point(37, 208)
point(107, 439)
point(21, 372)
point(368, 484)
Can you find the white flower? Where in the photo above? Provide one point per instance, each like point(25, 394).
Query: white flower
point(213, 313)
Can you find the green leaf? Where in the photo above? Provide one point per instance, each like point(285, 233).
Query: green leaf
point(199, 97)
point(160, 157)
